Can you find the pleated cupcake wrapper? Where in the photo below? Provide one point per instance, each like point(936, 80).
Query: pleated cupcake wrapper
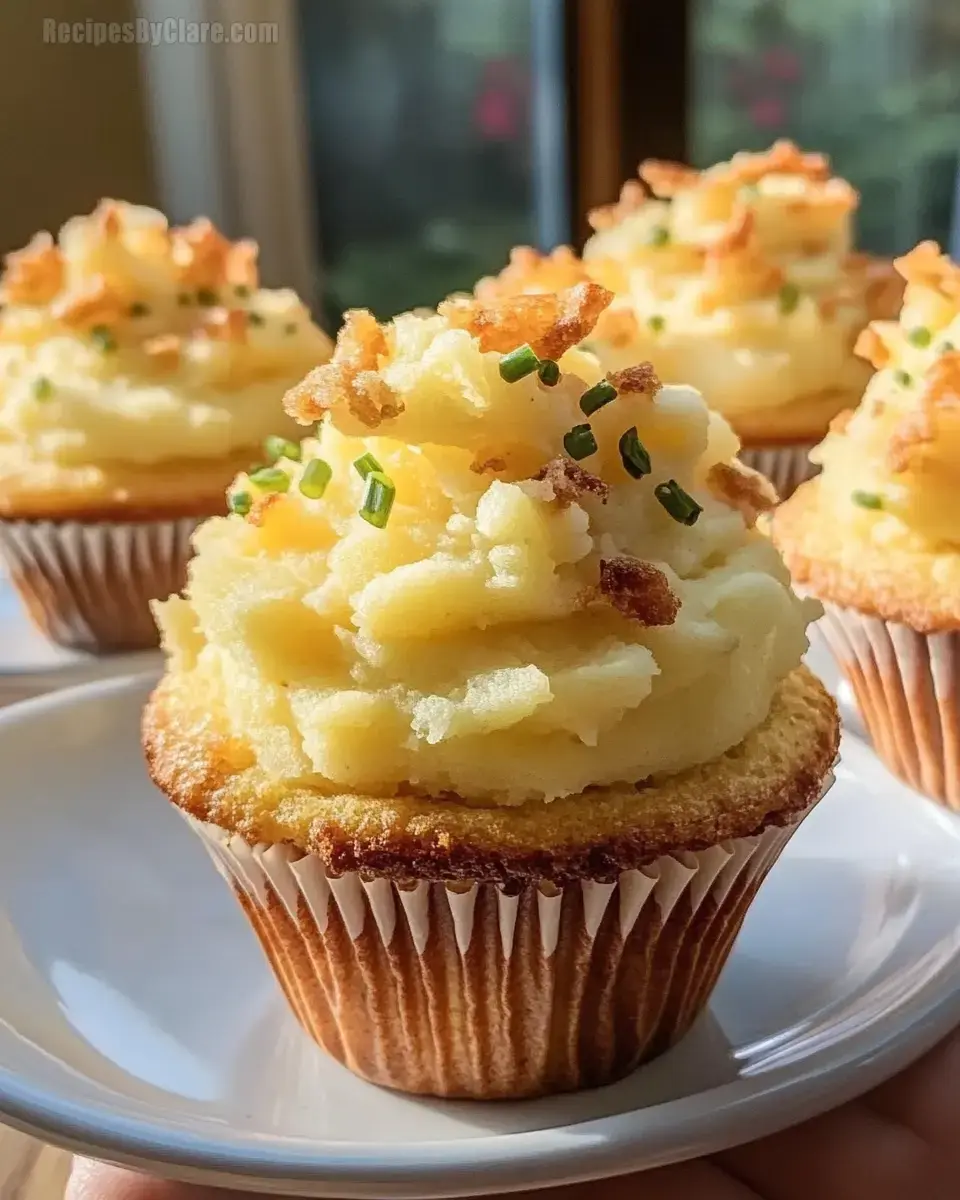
point(907, 686)
point(462, 990)
point(88, 586)
point(785, 466)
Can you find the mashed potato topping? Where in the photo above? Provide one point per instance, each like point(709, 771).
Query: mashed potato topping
point(740, 280)
point(525, 625)
point(127, 341)
point(891, 469)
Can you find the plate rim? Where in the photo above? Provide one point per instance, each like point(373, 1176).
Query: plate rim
point(601, 1147)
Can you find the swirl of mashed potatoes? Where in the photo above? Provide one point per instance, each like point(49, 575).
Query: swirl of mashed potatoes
point(880, 526)
point(738, 280)
point(525, 625)
point(133, 356)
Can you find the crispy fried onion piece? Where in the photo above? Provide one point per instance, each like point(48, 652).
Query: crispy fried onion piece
point(941, 392)
point(783, 158)
point(488, 466)
point(639, 590)
point(872, 345)
point(739, 487)
point(205, 258)
point(926, 267)
point(570, 481)
point(530, 271)
point(34, 274)
point(351, 379)
point(665, 178)
point(735, 268)
point(550, 322)
point(640, 379)
point(225, 324)
point(94, 302)
point(164, 351)
point(633, 196)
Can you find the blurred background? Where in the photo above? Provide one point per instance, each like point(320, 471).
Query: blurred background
point(387, 152)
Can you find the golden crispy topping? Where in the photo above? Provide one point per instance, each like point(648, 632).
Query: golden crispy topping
point(200, 252)
point(639, 590)
point(783, 158)
point(350, 379)
point(665, 178)
point(618, 326)
point(641, 379)
point(530, 271)
point(93, 302)
point(224, 324)
point(261, 506)
point(240, 264)
point(109, 216)
point(735, 268)
point(633, 196)
point(871, 346)
point(570, 481)
point(551, 323)
point(34, 274)
point(737, 486)
point(926, 267)
point(941, 392)
point(488, 466)
point(164, 351)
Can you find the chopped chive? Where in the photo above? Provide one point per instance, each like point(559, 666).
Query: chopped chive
point(184, 299)
point(579, 442)
point(316, 475)
point(659, 235)
point(255, 318)
point(290, 327)
point(548, 372)
point(678, 503)
point(596, 397)
point(207, 297)
point(947, 347)
point(920, 337)
point(518, 363)
point(239, 503)
point(242, 291)
point(270, 479)
point(281, 447)
point(42, 388)
point(139, 309)
point(788, 298)
point(365, 464)
point(867, 500)
point(633, 454)
point(656, 323)
point(378, 498)
point(902, 377)
point(103, 339)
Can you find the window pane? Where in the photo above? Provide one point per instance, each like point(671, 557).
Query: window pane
point(871, 82)
point(421, 154)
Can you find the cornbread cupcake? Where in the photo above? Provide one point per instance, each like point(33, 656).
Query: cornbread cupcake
point(490, 706)
point(140, 368)
point(877, 535)
point(739, 280)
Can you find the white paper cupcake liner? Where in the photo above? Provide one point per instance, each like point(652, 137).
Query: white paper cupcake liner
point(89, 585)
point(461, 989)
point(907, 686)
point(785, 466)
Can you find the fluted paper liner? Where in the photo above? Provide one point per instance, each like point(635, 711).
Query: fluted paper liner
point(462, 990)
point(786, 466)
point(88, 585)
point(907, 686)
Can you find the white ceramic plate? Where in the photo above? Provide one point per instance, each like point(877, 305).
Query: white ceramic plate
point(139, 1024)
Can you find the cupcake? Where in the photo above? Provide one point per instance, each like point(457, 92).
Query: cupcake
point(740, 281)
point(877, 537)
point(490, 706)
point(140, 368)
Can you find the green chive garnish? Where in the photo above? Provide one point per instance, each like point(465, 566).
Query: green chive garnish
point(290, 327)
point(242, 291)
point(596, 397)
point(183, 299)
point(280, 447)
point(517, 364)
point(947, 347)
point(365, 464)
point(316, 475)
point(656, 323)
point(548, 372)
point(920, 337)
point(902, 377)
point(207, 297)
point(139, 309)
point(579, 442)
point(788, 298)
point(867, 500)
point(678, 503)
point(103, 339)
point(255, 318)
point(239, 503)
point(42, 388)
point(659, 235)
point(270, 479)
point(378, 498)
point(633, 454)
